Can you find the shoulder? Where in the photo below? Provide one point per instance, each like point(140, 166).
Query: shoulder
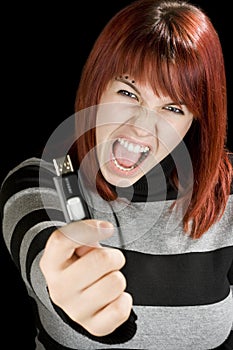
point(30, 170)
point(33, 164)
point(31, 173)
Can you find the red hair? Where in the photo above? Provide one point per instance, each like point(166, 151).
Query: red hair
point(174, 46)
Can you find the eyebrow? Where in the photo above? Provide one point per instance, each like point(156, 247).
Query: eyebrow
point(175, 104)
point(124, 80)
point(129, 84)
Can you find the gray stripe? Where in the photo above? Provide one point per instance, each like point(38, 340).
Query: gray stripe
point(29, 236)
point(192, 327)
point(34, 161)
point(23, 203)
point(152, 228)
point(162, 328)
point(39, 286)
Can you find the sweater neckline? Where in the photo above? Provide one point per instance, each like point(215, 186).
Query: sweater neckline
point(156, 185)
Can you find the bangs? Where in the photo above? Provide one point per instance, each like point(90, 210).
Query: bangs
point(164, 49)
point(178, 75)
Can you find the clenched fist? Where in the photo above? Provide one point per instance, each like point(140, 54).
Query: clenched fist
point(84, 278)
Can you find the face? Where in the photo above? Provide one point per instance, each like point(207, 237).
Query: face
point(136, 129)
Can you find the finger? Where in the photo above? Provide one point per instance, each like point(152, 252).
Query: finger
point(94, 265)
point(101, 293)
point(84, 249)
point(63, 242)
point(112, 316)
point(87, 232)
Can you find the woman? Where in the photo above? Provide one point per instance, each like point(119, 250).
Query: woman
point(151, 268)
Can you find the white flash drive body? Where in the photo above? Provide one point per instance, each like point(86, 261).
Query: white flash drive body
point(66, 182)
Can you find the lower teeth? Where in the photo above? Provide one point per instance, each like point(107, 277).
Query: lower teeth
point(123, 168)
point(133, 166)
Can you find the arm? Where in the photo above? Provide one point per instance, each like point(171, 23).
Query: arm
point(31, 217)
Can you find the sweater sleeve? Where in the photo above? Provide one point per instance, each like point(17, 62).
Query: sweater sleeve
point(120, 335)
point(30, 210)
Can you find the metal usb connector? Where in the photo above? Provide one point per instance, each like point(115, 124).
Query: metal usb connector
point(66, 182)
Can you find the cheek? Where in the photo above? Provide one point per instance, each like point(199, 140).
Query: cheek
point(185, 127)
point(170, 133)
point(180, 127)
point(103, 133)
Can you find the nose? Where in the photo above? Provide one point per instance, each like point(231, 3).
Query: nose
point(144, 123)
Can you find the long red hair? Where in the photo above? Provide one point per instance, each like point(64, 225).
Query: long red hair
point(174, 46)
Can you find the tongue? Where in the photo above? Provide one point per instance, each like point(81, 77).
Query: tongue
point(125, 157)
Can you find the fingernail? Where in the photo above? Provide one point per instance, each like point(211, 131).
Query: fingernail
point(106, 227)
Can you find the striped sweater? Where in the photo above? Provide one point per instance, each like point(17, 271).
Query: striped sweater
point(181, 288)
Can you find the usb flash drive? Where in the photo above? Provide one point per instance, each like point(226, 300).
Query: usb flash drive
point(66, 182)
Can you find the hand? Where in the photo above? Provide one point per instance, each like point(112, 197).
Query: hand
point(83, 278)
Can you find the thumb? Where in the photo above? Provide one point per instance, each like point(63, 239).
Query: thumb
point(66, 240)
point(87, 232)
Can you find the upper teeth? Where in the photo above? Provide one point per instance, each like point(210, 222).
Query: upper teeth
point(132, 147)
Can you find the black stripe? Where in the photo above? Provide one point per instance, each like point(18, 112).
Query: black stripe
point(36, 246)
point(178, 280)
point(230, 275)
point(51, 344)
point(24, 178)
point(26, 223)
point(48, 342)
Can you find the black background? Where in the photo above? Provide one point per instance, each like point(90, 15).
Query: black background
point(43, 51)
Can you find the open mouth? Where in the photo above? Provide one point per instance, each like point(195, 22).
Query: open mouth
point(128, 155)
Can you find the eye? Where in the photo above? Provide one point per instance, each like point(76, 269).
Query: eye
point(128, 94)
point(174, 109)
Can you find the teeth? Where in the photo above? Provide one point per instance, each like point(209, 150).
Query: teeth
point(131, 147)
point(121, 167)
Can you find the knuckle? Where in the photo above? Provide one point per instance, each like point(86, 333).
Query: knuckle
point(117, 279)
point(123, 306)
point(113, 257)
point(100, 257)
point(53, 240)
point(103, 254)
point(104, 257)
point(55, 236)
